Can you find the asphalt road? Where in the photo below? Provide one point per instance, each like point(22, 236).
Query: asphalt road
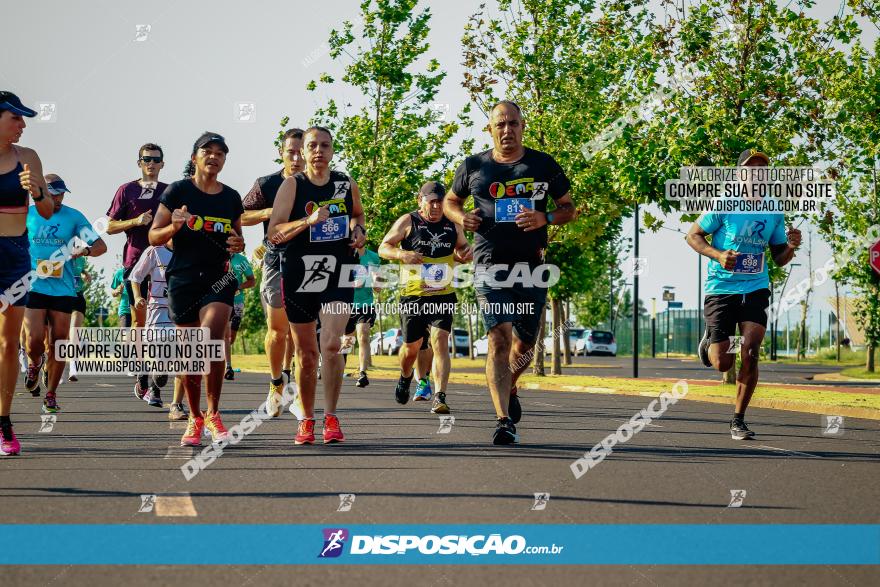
point(107, 449)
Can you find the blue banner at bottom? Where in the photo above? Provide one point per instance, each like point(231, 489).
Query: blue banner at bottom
point(275, 544)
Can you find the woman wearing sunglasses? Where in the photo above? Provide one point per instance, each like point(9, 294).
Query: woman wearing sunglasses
point(204, 218)
point(21, 178)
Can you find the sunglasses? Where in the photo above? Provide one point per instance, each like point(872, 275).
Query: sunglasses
point(151, 159)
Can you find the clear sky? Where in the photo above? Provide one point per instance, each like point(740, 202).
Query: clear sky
point(189, 73)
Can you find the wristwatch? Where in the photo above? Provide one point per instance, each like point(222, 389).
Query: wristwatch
point(41, 197)
point(549, 216)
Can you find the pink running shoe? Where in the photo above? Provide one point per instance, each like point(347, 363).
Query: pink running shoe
point(193, 434)
point(305, 434)
point(332, 431)
point(9, 444)
point(215, 427)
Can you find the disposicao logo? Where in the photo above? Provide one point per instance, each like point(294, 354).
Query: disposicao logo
point(334, 541)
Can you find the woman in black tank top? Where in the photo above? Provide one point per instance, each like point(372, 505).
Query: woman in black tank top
point(21, 177)
point(319, 212)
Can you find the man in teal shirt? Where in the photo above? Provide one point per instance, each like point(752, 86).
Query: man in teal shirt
point(244, 275)
point(737, 288)
point(363, 314)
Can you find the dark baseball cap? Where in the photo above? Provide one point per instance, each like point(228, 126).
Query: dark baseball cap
point(11, 102)
point(56, 185)
point(750, 154)
point(211, 137)
point(433, 188)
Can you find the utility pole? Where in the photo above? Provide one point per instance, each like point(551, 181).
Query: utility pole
point(636, 294)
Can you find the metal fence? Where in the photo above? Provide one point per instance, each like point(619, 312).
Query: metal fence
point(674, 332)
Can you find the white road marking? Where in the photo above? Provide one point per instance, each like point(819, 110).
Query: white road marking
point(173, 505)
point(179, 452)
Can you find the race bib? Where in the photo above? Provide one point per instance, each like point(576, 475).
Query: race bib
point(434, 276)
point(332, 229)
point(506, 209)
point(749, 263)
point(47, 268)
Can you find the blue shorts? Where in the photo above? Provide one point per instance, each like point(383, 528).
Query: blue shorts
point(15, 252)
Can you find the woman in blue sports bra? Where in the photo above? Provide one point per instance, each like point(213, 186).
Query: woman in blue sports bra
point(21, 178)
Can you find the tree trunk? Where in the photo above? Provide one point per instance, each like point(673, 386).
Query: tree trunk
point(837, 320)
point(538, 369)
point(869, 364)
point(556, 310)
point(802, 335)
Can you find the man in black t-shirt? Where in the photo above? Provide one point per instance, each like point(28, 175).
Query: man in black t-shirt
point(510, 185)
point(258, 208)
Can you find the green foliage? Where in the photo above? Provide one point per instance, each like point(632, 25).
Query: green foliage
point(396, 140)
point(96, 296)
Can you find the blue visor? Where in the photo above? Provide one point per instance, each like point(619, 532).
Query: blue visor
point(57, 187)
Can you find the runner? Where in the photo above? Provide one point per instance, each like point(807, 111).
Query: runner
point(21, 175)
point(429, 244)
point(510, 184)
point(258, 205)
point(363, 315)
point(244, 276)
point(53, 293)
point(120, 291)
point(738, 294)
point(132, 211)
point(319, 213)
point(78, 316)
point(150, 268)
point(204, 218)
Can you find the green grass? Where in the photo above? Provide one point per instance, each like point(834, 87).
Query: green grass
point(829, 357)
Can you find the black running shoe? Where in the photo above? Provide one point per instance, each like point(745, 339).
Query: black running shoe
point(440, 406)
point(513, 407)
point(739, 430)
point(401, 393)
point(703, 349)
point(505, 432)
point(229, 375)
point(160, 380)
point(362, 380)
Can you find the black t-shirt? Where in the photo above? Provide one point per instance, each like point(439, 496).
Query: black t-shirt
point(262, 195)
point(331, 237)
point(200, 245)
point(532, 178)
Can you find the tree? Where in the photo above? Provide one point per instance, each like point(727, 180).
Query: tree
point(570, 66)
point(852, 123)
point(96, 295)
point(396, 140)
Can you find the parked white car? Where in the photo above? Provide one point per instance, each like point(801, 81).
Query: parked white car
point(392, 340)
point(574, 334)
point(481, 346)
point(596, 342)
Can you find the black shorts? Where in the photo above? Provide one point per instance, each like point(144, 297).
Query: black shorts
point(186, 297)
point(145, 285)
point(362, 315)
point(419, 314)
point(306, 291)
point(236, 317)
point(38, 301)
point(724, 311)
point(125, 320)
point(80, 304)
point(520, 305)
